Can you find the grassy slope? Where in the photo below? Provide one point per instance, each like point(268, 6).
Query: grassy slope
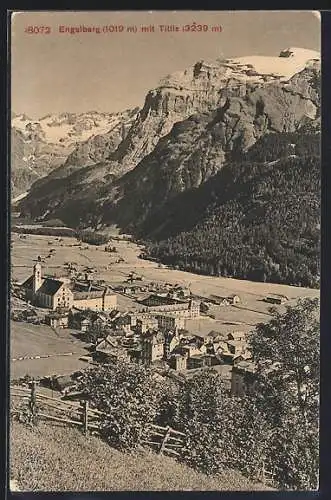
point(52, 458)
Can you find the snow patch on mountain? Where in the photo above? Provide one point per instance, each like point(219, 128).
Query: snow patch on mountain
point(67, 128)
point(289, 62)
point(253, 68)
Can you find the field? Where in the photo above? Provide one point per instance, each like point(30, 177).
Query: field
point(251, 310)
point(50, 457)
point(27, 339)
point(31, 340)
point(53, 458)
point(40, 340)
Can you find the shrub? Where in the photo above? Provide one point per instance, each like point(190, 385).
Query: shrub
point(199, 414)
point(288, 391)
point(222, 431)
point(128, 394)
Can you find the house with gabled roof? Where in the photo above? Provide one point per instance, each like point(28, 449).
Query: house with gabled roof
point(61, 293)
point(239, 336)
point(108, 349)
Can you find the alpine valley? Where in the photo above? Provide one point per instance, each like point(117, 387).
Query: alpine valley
point(218, 173)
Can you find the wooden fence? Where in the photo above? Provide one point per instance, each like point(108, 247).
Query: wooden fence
point(164, 439)
point(29, 404)
point(267, 477)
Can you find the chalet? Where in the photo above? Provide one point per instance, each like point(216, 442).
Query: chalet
point(192, 348)
point(63, 383)
point(178, 361)
point(84, 325)
point(233, 299)
point(170, 343)
point(146, 322)
point(57, 320)
point(129, 289)
point(207, 337)
point(238, 336)
point(126, 321)
point(177, 293)
point(213, 335)
point(47, 292)
point(219, 301)
point(235, 346)
point(244, 356)
point(108, 350)
point(130, 342)
point(229, 350)
point(225, 301)
point(201, 361)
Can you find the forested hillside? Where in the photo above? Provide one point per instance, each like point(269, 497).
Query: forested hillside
point(258, 218)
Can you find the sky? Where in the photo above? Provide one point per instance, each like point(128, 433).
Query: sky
point(112, 71)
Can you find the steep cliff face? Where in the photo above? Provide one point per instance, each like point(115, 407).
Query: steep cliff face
point(204, 87)
point(197, 148)
point(190, 126)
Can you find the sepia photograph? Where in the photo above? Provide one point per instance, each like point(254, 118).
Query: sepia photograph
point(165, 176)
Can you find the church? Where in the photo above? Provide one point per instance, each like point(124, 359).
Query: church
point(57, 293)
point(47, 292)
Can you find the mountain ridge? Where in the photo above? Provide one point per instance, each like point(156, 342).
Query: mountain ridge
point(162, 159)
point(38, 147)
point(215, 91)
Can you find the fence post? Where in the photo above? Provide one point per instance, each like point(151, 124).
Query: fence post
point(32, 402)
point(85, 417)
point(165, 439)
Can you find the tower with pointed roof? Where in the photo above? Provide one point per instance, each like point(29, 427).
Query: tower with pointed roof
point(37, 279)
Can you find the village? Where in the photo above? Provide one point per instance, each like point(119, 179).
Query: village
point(128, 317)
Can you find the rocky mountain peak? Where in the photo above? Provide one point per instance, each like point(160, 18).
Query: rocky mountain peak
point(41, 146)
point(205, 86)
point(191, 125)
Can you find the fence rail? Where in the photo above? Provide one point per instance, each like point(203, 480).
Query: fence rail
point(164, 440)
point(48, 408)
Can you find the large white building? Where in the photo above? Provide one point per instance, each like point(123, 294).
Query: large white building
point(59, 293)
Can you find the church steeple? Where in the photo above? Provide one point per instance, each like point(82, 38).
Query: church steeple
point(37, 280)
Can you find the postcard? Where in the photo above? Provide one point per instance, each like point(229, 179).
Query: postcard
point(165, 250)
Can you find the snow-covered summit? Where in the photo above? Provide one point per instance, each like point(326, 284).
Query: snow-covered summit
point(289, 62)
point(247, 69)
point(68, 128)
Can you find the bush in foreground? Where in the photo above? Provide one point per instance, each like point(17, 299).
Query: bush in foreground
point(128, 394)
